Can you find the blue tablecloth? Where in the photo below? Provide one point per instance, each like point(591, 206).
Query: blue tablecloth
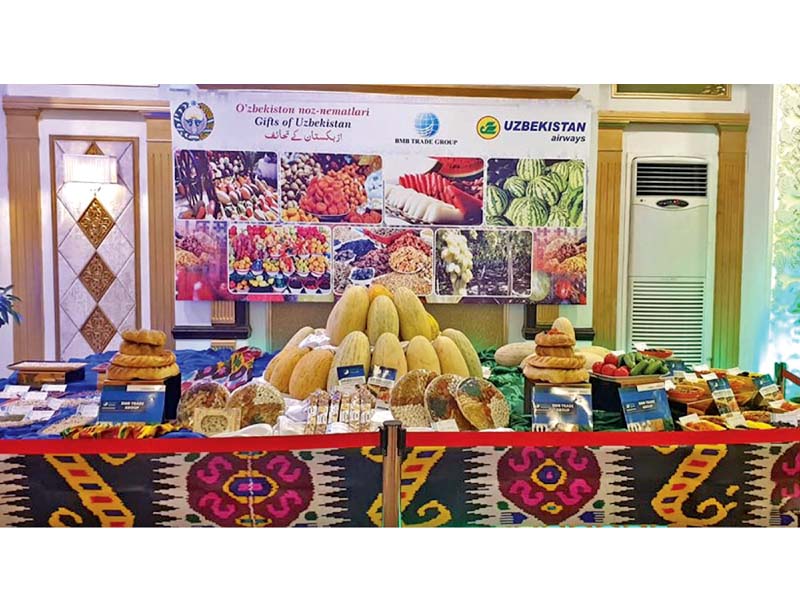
point(189, 361)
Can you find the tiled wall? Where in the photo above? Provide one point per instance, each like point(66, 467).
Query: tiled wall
point(96, 238)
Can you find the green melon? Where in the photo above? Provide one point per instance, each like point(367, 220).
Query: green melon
point(529, 168)
point(561, 168)
point(497, 221)
point(515, 186)
point(575, 179)
point(496, 201)
point(559, 181)
point(544, 189)
point(571, 197)
point(559, 217)
point(528, 212)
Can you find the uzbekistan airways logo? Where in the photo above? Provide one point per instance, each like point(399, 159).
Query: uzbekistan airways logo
point(426, 124)
point(193, 120)
point(488, 127)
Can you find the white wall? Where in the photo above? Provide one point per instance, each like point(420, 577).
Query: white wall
point(6, 333)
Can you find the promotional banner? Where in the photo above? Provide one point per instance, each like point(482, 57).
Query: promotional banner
point(287, 197)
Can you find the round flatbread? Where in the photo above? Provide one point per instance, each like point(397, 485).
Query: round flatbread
point(556, 375)
point(134, 349)
point(163, 359)
point(562, 351)
point(555, 362)
point(553, 338)
point(145, 336)
point(145, 373)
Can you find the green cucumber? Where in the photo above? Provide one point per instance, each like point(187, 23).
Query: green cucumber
point(638, 357)
point(653, 367)
point(639, 368)
point(629, 360)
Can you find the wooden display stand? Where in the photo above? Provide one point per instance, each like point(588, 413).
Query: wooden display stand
point(39, 373)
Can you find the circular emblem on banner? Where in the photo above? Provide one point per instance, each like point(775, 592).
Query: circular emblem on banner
point(426, 124)
point(488, 127)
point(193, 120)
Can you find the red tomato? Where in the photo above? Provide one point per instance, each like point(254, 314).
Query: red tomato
point(611, 359)
point(608, 369)
point(597, 367)
point(621, 372)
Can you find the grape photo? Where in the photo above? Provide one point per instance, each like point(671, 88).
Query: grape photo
point(483, 262)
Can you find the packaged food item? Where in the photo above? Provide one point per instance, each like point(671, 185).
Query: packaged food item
point(259, 402)
point(367, 406)
point(313, 411)
point(557, 408)
point(646, 408)
point(725, 401)
point(205, 394)
point(381, 382)
point(768, 394)
point(482, 404)
point(323, 407)
point(333, 411)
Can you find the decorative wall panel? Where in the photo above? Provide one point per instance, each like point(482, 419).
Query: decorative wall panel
point(95, 249)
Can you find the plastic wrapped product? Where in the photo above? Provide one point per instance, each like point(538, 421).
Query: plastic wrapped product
point(259, 402)
point(205, 394)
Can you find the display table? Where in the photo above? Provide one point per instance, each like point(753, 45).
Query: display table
point(732, 478)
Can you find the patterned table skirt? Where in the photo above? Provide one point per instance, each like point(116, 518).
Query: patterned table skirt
point(730, 479)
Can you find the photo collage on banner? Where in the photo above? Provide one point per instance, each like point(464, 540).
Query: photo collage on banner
point(453, 204)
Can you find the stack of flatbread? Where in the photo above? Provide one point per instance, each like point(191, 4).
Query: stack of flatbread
point(142, 356)
point(554, 360)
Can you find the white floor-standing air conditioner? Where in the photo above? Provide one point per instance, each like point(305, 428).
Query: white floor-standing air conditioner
point(668, 295)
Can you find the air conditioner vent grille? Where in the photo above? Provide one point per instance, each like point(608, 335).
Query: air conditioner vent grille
point(671, 179)
point(669, 314)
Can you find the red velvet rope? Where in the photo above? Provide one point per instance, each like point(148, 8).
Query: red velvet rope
point(791, 377)
point(358, 440)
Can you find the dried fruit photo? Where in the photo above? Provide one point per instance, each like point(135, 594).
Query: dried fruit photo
point(339, 188)
point(391, 256)
point(433, 190)
point(281, 260)
point(201, 270)
point(535, 192)
point(559, 263)
point(483, 262)
point(222, 185)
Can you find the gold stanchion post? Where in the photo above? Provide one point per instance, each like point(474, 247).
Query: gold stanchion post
point(392, 443)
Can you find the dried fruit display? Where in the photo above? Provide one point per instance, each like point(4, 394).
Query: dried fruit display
point(391, 257)
point(331, 188)
point(201, 269)
point(559, 262)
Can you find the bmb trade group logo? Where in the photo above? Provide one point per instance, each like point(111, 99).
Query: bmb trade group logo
point(488, 127)
point(426, 124)
point(193, 120)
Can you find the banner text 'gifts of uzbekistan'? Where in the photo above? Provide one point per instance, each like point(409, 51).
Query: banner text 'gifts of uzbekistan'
point(290, 197)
